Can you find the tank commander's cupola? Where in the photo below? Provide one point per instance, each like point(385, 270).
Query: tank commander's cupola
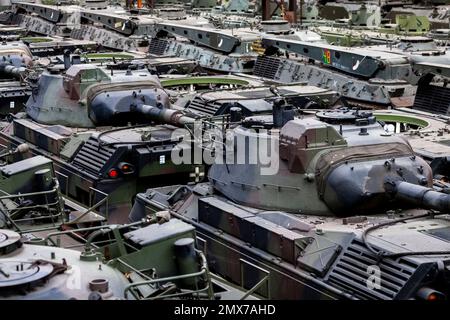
point(346, 116)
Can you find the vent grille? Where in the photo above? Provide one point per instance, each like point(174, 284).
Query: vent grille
point(351, 273)
point(432, 99)
point(203, 108)
point(76, 34)
point(266, 67)
point(157, 46)
point(91, 157)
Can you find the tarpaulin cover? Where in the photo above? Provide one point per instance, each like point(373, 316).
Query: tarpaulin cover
point(336, 157)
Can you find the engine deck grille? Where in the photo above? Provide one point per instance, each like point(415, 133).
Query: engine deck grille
point(266, 67)
point(203, 108)
point(431, 98)
point(91, 157)
point(351, 273)
point(157, 46)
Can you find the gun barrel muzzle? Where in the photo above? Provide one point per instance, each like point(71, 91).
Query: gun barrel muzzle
point(171, 116)
point(422, 196)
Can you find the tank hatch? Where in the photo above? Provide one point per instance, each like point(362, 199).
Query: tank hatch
point(346, 116)
point(9, 241)
point(17, 273)
point(20, 276)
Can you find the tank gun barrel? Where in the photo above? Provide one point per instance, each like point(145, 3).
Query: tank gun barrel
point(17, 72)
point(21, 148)
point(171, 116)
point(419, 195)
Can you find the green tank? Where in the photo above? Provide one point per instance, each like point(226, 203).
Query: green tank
point(52, 248)
point(161, 262)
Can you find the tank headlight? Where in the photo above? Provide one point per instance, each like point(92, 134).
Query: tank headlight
point(113, 173)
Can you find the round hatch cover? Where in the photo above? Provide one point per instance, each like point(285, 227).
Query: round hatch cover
point(343, 116)
point(9, 241)
point(19, 273)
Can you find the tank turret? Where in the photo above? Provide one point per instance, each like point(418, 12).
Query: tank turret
point(75, 111)
point(15, 54)
point(15, 59)
point(340, 162)
point(85, 96)
point(15, 62)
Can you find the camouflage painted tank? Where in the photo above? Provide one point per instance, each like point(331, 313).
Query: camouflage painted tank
point(79, 118)
point(344, 209)
point(163, 264)
point(390, 80)
point(218, 50)
point(15, 60)
point(75, 22)
point(85, 96)
point(110, 27)
point(437, 14)
point(53, 248)
point(350, 36)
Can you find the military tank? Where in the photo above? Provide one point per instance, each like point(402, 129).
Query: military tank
point(39, 273)
point(386, 33)
point(111, 27)
point(94, 128)
point(218, 50)
point(129, 265)
point(379, 75)
point(15, 59)
point(53, 248)
point(343, 210)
